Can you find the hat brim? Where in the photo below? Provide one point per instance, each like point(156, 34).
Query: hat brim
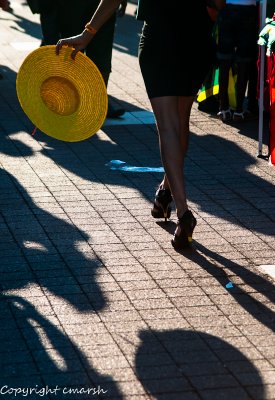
point(85, 79)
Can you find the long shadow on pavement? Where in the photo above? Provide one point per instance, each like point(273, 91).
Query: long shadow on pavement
point(223, 269)
point(38, 354)
point(38, 247)
point(183, 364)
point(223, 173)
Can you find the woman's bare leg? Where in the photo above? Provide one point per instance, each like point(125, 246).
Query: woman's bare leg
point(223, 84)
point(172, 115)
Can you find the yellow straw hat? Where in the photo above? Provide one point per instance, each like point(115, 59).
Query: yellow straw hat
point(64, 98)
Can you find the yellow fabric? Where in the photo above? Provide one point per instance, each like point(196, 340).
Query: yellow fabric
point(64, 98)
point(232, 90)
point(203, 95)
point(214, 89)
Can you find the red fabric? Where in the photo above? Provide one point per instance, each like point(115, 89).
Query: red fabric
point(267, 75)
point(269, 100)
point(271, 68)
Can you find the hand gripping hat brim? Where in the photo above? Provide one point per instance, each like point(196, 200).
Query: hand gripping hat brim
point(64, 98)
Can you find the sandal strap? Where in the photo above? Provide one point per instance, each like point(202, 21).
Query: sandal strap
point(224, 113)
point(239, 115)
point(187, 218)
point(164, 195)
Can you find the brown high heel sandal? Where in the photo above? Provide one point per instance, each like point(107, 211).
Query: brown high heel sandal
point(161, 207)
point(187, 225)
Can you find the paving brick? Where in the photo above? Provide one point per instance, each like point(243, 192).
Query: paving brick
point(225, 394)
point(92, 290)
point(257, 392)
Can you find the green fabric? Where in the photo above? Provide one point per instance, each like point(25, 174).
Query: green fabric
point(267, 34)
point(210, 86)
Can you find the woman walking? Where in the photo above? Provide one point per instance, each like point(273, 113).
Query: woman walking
point(173, 68)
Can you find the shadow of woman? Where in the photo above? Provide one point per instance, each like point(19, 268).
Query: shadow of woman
point(188, 365)
point(37, 354)
point(225, 271)
point(225, 182)
point(43, 249)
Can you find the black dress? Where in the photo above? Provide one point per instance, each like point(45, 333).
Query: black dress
point(173, 61)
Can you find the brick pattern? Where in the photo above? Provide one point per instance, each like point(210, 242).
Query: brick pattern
point(92, 293)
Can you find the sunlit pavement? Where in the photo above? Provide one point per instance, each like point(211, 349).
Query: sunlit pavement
point(95, 302)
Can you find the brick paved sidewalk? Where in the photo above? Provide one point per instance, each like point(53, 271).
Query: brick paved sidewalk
point(92, 293)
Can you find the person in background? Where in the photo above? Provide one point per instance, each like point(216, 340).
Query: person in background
point(237, 38)
point(49, 19)
point(73, 16)
point(252, 86)
point(60, 18)
point(5, 5)
point(173, 70)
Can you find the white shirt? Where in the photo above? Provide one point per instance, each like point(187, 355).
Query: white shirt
point(242, 2)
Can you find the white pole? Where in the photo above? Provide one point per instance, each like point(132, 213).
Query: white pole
point(262, 68)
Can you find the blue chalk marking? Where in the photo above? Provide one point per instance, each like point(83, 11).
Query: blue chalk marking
point(229, 285)
point(117, 165)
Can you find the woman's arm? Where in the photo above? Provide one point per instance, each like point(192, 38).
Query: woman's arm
point(104, 11)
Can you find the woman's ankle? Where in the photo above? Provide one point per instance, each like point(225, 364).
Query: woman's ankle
point(182, 211)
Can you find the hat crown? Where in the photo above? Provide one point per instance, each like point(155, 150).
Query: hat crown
point(60, 95)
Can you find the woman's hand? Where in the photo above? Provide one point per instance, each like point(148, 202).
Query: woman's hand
point(104, 11)
point(78, 42)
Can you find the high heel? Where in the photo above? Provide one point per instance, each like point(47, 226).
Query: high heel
point(187, 225)
point(161, 207)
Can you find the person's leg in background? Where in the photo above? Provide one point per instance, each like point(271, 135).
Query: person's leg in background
point(252, 89)
point(99, 51)
point(224, 109)
point(48, 11)
point(225, 51)
point(246, 30)
point(241, 85)
point(252, 96)
point(49, 22)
